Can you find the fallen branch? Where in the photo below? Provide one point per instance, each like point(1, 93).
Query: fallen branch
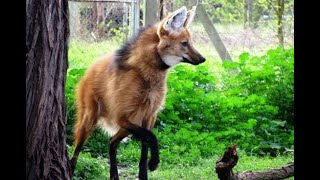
point(225, 164)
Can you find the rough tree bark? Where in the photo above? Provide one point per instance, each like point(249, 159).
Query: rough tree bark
point(229, 160)
point(47, 32)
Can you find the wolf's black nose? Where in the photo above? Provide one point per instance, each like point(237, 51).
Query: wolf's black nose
point(202, 59)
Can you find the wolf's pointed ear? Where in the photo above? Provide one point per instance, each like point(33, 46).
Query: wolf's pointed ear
point(176, 20)
point(190, 16)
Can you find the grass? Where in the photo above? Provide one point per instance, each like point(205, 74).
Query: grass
point(82, 54)
point(204, 169)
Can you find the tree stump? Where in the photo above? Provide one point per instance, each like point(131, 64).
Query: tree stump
point(225, 164)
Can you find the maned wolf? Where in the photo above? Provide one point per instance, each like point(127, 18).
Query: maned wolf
point(124, 91)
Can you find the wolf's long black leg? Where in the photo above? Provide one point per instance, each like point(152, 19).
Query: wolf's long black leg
point(143, 168)
point(147, 137)
point(113, 145)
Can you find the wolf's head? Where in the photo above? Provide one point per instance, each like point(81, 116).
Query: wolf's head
point(175, 44)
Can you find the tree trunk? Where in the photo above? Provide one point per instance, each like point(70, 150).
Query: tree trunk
point(166, 6)
point(229, 160)
point(47, 33)
point(74, 20)
point(248, 13)
point(97, 19)
point(245, 14)
point(100, 11)
point(279, 12)
point(94, 16)
point(150, 12)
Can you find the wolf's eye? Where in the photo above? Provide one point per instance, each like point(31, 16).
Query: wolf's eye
point(185, 43)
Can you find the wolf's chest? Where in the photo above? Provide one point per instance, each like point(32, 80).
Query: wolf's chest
point(152, 99)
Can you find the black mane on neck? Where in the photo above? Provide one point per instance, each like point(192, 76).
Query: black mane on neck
point(124, 52)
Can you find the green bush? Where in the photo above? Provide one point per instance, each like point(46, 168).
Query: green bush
point(267, 86)
point(253, 108)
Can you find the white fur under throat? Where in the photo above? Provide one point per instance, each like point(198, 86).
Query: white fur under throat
point(171, 60)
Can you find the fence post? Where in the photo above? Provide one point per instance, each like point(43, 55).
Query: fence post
point(213, 33)
point(136, 16)
point(150, 12)
point(74, 21)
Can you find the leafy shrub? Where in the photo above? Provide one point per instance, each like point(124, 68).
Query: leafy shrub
point(266, 85)
point(253, 108)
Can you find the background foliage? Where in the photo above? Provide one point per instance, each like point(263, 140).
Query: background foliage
point(232, 11)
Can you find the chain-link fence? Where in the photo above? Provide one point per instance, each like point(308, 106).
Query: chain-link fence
point(101, 26)
point(98, 20)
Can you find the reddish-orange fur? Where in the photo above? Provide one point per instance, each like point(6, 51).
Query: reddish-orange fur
point(124, 93)
point(136, 94)
point(123, 89)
